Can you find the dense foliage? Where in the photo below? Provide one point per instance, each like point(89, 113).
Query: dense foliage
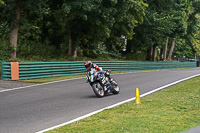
point(99, 29)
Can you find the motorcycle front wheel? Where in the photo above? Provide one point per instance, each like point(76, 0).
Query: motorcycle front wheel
point(115, 87)
point(98, 89)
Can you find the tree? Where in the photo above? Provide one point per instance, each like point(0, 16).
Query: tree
point(163, 20)
point(2, 2)
point(14, 28)
point(129, 14)
point(192, 23)
point(14, 15)
point(165, 49)
point(155, 27)
point(83, 20)
point(93, 28)
point(90, 23)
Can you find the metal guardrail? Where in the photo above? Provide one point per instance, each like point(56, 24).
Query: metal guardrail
point(31, 70)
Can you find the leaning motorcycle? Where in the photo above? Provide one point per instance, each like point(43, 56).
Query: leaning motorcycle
point(102, 83)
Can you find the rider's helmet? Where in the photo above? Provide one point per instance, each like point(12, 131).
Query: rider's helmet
point(88, 64)
point(108, 72)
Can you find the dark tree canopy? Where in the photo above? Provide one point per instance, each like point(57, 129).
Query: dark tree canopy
point(99, 29)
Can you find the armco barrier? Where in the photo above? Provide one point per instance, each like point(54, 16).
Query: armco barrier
point(31, 70)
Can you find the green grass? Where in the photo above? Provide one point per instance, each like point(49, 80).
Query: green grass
point(173, 110)
point(51, 79)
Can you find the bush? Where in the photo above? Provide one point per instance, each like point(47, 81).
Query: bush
point(36, 51)
point(4, 51)
point(136, 56)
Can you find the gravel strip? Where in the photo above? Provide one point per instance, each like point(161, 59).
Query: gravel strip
point(4, 85)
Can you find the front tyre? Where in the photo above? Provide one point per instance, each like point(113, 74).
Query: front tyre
point(115, 87)
point(98, 89)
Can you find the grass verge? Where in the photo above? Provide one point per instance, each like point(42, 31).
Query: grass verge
point(51, 79)
point(173, 110)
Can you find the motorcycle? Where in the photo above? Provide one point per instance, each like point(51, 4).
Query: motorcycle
point(102, 83)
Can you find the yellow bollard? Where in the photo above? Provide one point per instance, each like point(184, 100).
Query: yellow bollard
point(137, 98)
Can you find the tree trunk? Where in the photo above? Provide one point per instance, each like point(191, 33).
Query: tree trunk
point(165, 49)
point(75, 52)
point(149, 54)
point(172, 49)
point(154, 53)
point(148, 57)
point(70, 46)
point(161, 54)
point(14, 30)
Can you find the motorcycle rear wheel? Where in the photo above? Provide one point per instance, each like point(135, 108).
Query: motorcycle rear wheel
point(98, 89)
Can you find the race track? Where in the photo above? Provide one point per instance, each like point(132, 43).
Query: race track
point(32, 109)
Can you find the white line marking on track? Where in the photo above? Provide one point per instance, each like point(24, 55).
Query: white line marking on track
point(117, 104)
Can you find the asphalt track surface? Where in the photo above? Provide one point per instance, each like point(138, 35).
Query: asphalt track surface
point(32, 109)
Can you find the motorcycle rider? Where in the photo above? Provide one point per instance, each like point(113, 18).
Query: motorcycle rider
point(90, 66)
